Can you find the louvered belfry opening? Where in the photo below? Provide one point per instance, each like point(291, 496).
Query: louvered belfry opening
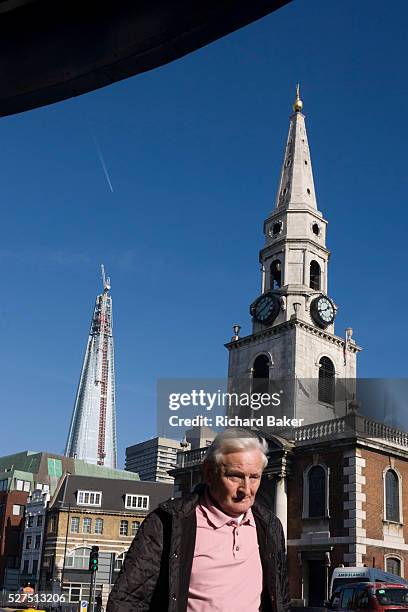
point(261, 374)
point(326, 391)
point(315, 275)
point(276, 274)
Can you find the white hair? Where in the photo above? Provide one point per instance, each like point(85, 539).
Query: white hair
point(233, 441)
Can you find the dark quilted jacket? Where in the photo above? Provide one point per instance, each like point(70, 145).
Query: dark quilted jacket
point(155, 576)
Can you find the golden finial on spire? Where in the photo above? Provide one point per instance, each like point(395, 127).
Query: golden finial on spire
point(298, 104)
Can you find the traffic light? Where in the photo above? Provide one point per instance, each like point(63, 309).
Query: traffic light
point(93, 559)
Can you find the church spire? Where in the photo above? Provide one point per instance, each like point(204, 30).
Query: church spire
point(296, 186)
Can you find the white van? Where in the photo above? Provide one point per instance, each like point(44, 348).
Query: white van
point(347, 575)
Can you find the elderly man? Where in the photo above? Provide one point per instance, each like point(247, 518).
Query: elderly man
point(215, 550)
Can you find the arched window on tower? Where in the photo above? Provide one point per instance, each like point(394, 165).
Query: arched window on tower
point(326, 381)
point(261, 374)
point(317, 491)
point(315, 275)
point(392, 510)
point(276, 274)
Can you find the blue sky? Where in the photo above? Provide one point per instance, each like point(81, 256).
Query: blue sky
point(193, 151)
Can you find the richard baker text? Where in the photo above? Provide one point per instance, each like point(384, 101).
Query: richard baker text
point(234, 421)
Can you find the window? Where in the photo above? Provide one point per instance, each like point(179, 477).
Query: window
point(39, 520)
point(89, 498)
point(29, 539)
point(277, 228)
point(315, 275)
point(78, 559)
point(25, 566)
point(37, 542)
point(22, 485)
point(124, 528)
point(276, 274)
point(139, 502)
point(52, 525)
point(135, 527)
point(391, 496)
point(30, 521)
point(317, 491)
point(326, 389)
point(35, 566)
point(74, 524)
point(87, 525)
point(16, 510)
point(393, 565)
point(74, 592)
point(119, 561)
point(98, 525)
point(285, 190)
point(4, 484)
point(48, 562)
point(347, 599)
point(360, 598)
point(42, 487)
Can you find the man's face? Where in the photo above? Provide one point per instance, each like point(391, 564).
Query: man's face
point(234, 485)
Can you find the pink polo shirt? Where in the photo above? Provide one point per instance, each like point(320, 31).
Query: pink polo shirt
point(227, 572)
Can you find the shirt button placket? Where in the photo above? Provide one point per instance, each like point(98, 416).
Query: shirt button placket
point(236, 542)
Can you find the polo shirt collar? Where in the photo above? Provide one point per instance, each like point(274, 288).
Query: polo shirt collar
point(218, 518)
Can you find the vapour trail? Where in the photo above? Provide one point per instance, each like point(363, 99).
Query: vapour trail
point(103, 164)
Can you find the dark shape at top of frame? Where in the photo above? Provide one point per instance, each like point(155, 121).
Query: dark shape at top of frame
point(51, 51)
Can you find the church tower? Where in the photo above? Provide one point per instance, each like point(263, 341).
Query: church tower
point(293, 338)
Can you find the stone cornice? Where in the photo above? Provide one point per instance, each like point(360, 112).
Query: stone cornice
point(297, 241)
point(286, 326)
point(282, 211)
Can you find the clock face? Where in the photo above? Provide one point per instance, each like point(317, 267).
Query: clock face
point(322, 310)
point(266, 308)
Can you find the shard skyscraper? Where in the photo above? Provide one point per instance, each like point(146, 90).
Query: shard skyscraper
point(92, 433)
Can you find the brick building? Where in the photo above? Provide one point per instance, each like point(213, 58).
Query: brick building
point(21, 475)
point(86, 512)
